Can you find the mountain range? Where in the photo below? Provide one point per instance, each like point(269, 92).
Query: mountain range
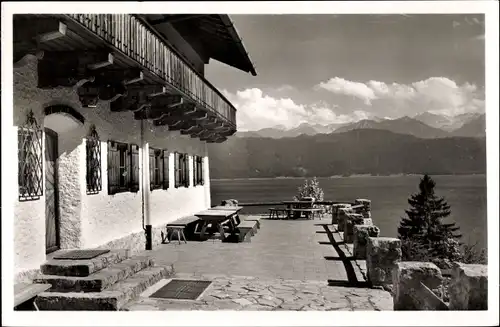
point(424, 125)
point(357, 151)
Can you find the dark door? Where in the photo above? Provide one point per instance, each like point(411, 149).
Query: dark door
point(51, 192)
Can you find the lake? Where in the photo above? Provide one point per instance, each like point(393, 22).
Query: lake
point(466, 196)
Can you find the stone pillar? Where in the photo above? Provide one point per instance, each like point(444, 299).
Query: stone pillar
point(349, 222)
point(469, 287)
point(335, 212)
point(342, 215)
point(382, 254)
point(361, 234)
point(367, 204)
point(406, 278)
point(352, 220)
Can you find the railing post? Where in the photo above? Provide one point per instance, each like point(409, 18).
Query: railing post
point(361, 234)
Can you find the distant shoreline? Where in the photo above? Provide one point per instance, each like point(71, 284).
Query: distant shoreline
point(337, 176)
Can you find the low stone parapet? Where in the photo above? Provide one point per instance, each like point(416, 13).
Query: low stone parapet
point(382, 255)
point(469, 287)
point(360, 240)
point(416, 286)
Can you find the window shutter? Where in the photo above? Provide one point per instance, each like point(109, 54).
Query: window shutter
point(113, 168)
point(202, 175)
point(159, 161)
point(186, 170)
point(151, 168)
point(133, 168)
point(195, 175)
point(165, 169)
point(177, 169)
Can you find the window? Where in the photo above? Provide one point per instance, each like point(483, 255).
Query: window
point(94, 178)
point(30, 162)
point(181, 170)
point(123, 167)
point(158, 169)
point(198, 170)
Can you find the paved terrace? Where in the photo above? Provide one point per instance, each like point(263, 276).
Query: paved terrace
point(288, 265)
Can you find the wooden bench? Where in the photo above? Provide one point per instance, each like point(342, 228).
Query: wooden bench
point(25, 294)
point(275, 212)
point(246, 229)
point(254, 218)
point(177, 227)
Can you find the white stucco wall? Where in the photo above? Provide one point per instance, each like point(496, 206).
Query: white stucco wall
point(93, 220)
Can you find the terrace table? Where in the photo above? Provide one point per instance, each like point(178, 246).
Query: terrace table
point(235, 218)
point(217, 217)
point(296, 206)
point(226, 208)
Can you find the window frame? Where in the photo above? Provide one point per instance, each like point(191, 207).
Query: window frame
point(127, 168)
point(93, 162)
point(156, 169)
point(30, 149)
point(181, 169)
point(198, 170)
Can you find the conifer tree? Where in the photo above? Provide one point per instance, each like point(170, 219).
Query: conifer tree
point(424, 222)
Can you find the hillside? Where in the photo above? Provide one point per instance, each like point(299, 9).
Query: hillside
point(474, 128)
point(364, 151)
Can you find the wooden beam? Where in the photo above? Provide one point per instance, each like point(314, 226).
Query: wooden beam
point(29, 34)
point(183, 126)
point(169, 101)
point(136, 79)
point(70, 68)
point(191, 130)
point(105, 63)
point(56, 34)
point(162, 91)
point(134, 102)
point(37, 29)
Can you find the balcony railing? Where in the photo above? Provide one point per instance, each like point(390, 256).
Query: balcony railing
point(129, 35)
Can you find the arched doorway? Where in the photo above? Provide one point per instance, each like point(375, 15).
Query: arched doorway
point(52, 242)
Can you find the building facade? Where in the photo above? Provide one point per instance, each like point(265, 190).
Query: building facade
point(112, 114)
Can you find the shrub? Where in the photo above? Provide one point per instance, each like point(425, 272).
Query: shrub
point(310, 189)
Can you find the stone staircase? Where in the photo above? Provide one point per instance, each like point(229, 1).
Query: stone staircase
point(106, 282)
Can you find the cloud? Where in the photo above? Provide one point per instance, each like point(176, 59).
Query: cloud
point(439, 94)
point(256, 110)
point(341, 86)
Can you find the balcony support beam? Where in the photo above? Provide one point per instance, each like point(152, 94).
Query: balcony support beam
point(29, 34)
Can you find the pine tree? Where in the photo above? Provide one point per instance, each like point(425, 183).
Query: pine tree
point(423, 224)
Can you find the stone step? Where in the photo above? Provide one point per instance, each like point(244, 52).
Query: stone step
point(83, 268)
point(99, 280)
point(111, 299)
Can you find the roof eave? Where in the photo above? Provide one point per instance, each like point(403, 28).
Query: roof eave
point(233, 32)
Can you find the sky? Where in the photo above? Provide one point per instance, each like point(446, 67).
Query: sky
point(324, 69)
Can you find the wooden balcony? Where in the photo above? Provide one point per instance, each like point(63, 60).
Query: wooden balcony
point(118, 58)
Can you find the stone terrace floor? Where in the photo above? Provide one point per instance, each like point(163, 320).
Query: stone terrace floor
point(288, 265)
